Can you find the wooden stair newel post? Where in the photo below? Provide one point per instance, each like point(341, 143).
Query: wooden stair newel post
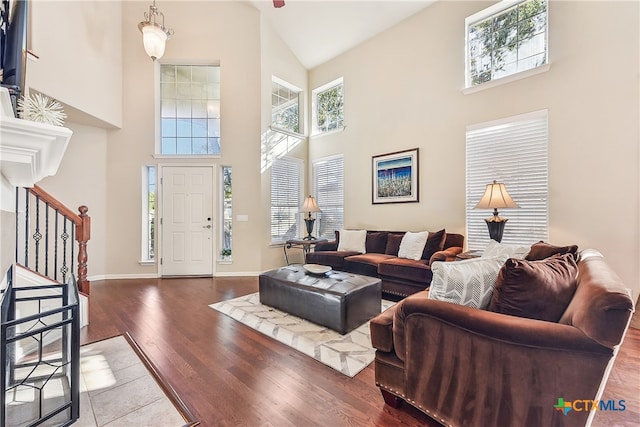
point(83, 234)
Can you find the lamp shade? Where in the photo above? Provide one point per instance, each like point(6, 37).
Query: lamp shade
point(496, 196)
point(154, 40)
point(309, 205)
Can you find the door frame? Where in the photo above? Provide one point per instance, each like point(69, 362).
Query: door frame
point(160, 211)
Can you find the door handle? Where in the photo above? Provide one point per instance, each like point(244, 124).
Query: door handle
point(206, 226)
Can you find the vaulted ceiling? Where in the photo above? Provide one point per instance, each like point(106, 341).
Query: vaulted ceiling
point(317, 31)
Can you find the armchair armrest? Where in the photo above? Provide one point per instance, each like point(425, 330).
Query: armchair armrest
point(330, 245)
point(448, 254)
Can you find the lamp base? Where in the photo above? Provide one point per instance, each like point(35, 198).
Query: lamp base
point(496, 227)
point(309, 222)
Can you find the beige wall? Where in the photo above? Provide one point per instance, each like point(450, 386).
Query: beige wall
point(403, 90)
point(277, 60)
point(82, 180)
point(80, 63)
point(224, 33)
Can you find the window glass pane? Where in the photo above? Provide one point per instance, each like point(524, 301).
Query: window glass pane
point(285, 107)
point(227, 212)
point(168, 146)
point(329, 104)
point(503, 44)
point(190, 93)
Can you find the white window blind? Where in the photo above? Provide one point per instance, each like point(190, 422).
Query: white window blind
point(328, 184)
point(286, 199)
point(513, 151)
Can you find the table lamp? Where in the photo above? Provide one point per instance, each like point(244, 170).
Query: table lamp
point(309, 206)
point(496, 196)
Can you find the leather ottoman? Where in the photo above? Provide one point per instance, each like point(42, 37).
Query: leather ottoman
point(338, 300)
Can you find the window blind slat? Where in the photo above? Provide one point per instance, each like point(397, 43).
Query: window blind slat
point(328, 185)
point(514, 152)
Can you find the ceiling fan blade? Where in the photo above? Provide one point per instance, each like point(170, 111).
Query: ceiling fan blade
point(278, 3)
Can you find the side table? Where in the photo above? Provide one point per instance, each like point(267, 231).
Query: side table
point(304, 244)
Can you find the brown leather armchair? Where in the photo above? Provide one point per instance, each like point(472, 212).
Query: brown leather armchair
point(468, 367)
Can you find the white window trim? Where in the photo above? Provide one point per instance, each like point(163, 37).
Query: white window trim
point(314, 108)
point(482, 15)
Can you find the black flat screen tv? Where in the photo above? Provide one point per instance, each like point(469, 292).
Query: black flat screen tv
point(13, 45)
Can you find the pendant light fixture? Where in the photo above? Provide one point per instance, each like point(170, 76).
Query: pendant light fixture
point(154, 33)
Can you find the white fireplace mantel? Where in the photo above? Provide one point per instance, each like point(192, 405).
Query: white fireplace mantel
point(29, 151)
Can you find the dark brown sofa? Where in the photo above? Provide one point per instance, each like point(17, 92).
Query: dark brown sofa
point(469, 367)
point(400, 276)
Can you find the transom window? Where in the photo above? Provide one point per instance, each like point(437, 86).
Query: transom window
point(190, 109)
point(506, 39)
point(328, 104)
point(285, 106)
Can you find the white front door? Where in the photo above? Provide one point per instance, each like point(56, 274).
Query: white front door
point(187, 221)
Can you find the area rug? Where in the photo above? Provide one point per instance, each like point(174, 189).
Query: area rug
point(348, 354)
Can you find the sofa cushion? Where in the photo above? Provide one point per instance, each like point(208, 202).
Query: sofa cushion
point(535, 289)
point(435, 243)
point(334, 259)
point(393, 243)
point(366, 264)
point(376, 242)
point(412, 245)
point(502, 249)
point(468, 282)
point(542, 250)
point(408, 269)
point(352, 240)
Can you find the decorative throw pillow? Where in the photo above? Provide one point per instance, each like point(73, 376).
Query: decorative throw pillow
point(468, 282)
point(353, 241)
point(542, 250)
point(510, 251)
point(376, 242)
point(412, 245)
point(535, 289)
point(393, 243)
point(435, 243)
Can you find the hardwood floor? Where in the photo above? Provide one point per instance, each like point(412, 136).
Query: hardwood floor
point(229, 375)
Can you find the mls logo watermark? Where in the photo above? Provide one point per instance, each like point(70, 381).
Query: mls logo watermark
point(565, 406)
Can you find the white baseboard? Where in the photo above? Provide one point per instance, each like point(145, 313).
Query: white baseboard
point(156, 276)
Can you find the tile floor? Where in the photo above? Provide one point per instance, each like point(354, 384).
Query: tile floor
point(116, 389)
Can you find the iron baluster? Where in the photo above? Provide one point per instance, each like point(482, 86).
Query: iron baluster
point(55, 249)
point(17, 223)
point(46, 239)
point(26, 229)
point(64, 237)
point(37, 236)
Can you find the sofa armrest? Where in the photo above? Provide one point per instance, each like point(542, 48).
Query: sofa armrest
point(448, 254)
point(330, 245)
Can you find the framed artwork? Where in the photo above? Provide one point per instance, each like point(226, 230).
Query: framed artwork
point(395, 177)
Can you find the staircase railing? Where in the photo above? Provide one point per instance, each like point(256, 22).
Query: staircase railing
point(48, 235)
point(40, 353)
